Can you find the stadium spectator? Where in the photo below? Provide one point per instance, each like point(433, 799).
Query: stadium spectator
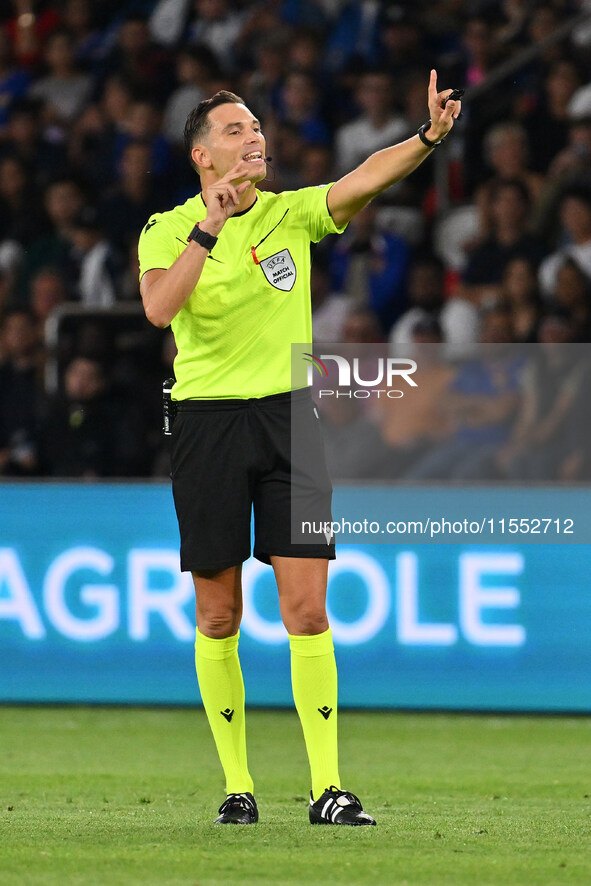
point(509, 238)
point(217, 26)
point(88, 41)
point(548, 123)
point(95, 265)
point(144, 65)
point(354, 39)
point(329, 307)
point(574, 161)
point(168, 21)
point(539, 445)
point(116, 98)
point(299, 104)
point(126, 204)
point(127, 275)
point(100, 129)
point(572, 294)
point(144, 121)
point(470, 65)
point(575, 218)
point(361, 326)
point(47, 291)
point(24, 137)
point(480, 405)
point(479, 50)
point(263, 82)
point(575, 466)
point(355, 449)
point(403, 46)
point(86, 432)
point(285, 173)
point(33, 21)
point(196, 67)
point(63, 90)
point(20, 218)
point(512, 27)
point(369, 265)
point(520, 295)
point(426, 291)
point(305, 52)
point(412, 425)
point(544, 19)
point(20, 394)
point(316, 165)
point(6, 292)
point(507, 152)
point(63, 198)
point(377, 126)
point(14, 81)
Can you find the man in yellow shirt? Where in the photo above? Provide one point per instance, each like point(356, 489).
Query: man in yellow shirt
point(230, 272)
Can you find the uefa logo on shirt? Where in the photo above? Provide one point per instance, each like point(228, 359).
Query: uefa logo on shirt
point(280, 270)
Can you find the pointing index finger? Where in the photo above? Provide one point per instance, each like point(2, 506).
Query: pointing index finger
point(433, 86)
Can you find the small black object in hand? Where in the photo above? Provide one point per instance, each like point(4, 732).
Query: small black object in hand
point(454, 96)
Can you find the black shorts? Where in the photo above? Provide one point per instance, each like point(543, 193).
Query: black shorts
point(232, 456)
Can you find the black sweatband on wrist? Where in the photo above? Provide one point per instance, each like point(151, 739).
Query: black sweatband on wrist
point(426, 141)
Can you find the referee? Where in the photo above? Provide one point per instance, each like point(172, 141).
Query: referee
point(209, 269)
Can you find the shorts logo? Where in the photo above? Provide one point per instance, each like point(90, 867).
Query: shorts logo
point(280, 270)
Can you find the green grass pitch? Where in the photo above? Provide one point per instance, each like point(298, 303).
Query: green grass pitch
point(94, 796)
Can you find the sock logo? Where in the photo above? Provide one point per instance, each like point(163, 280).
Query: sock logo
point(227, 714)
point(325, 711)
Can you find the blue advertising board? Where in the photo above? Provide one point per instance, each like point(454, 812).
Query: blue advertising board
point(93, 608)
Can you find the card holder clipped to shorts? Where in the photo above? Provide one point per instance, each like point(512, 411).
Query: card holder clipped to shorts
point(168, 407)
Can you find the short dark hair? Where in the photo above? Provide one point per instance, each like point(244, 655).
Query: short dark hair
point(515, 184)
point(197, 125)
point(580, 191)
point(16, 311)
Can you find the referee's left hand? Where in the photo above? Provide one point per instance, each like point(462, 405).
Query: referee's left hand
point(442, 114)
point(222, 197)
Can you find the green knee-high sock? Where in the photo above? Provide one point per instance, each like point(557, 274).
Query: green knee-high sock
point(314, 683)
point(222, 692)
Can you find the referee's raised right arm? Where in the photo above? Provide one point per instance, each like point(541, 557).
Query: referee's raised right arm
point(164, 292)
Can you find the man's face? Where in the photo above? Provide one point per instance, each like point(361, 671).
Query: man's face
point(509, 207)
point(375, 93)
point(496, 328)
point(426, 287)
point(19, 337)
point(234, 136)
point(62, 201)
point(575, 215)
point(83, 379)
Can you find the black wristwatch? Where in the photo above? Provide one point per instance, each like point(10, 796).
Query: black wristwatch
point(204, 239)
point(426, 141)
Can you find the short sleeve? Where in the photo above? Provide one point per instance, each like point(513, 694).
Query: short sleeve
point(157, 246)
point(312, 205)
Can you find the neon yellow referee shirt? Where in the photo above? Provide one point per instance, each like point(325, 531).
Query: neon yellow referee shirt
point(252, 300)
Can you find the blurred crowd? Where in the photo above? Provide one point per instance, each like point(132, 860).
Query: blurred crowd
point(489, 240)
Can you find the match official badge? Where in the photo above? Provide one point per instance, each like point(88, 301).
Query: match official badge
point(280, 270)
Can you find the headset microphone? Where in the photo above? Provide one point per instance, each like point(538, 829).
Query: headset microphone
point(268, 159)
